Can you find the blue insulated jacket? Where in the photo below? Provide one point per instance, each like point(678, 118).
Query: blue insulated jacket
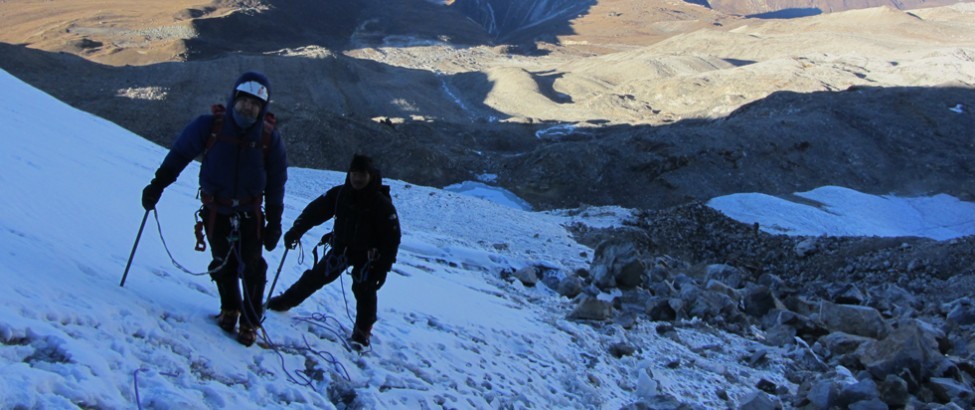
point(230, 170)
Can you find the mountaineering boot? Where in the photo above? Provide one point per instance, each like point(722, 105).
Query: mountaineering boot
point(227, 320)
point(278, 304)
point(247, 334)
point(360, 335)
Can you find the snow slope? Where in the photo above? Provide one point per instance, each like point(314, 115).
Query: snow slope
point(451, 332)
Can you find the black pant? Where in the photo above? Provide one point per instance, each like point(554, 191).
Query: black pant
point(245, 263)
point(326, 271)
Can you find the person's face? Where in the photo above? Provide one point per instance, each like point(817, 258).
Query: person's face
point(247, 106)
point(359, 179)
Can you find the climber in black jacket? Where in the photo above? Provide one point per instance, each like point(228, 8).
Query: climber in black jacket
point(365, 235)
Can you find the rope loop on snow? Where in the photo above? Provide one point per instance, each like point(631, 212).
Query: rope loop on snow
point(176, 263)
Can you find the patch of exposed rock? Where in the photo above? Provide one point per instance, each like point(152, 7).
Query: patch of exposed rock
point(868, 322)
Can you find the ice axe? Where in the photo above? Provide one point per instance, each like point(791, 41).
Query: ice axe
point(134, 246)
point(275, 282)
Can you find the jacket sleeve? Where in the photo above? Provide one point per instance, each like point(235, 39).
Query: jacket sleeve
point(389, 238)
point(277, 171)
point(317, 212)
point(190, 143)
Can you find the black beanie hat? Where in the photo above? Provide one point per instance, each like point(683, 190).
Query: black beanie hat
point(361, 163)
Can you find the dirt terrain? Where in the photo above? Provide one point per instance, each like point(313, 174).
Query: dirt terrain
point(645, 106)
point(784, 8)
point(116, 32)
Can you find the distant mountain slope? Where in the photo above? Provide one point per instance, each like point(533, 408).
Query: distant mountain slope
point(652, 94)
point(808, 7)
point(507, 20)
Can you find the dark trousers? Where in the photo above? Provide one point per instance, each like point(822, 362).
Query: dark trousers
point(326, 271)
point(245, 264)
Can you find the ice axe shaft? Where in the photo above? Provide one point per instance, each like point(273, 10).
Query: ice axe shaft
point(134, 246)
point(275, 281)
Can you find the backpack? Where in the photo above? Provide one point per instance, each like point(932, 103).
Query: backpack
point(219, 112)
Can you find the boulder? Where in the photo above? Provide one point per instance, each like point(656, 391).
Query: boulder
point(823, 394)
point(839, 343)
point(758, 300)
point(660, 309)
point(853, 319)
point(618, 350)
point(862, 390)
point(911, 347)
point(720, 287)
point(592, 309)
point(961, 312)
point(633, 300)
point(950, 390)
point(759, 400)
point(872, 404)
point(802, 305)
point(780, 335)
point(550, 277)
point(895, 301)
point(726, 274)
point(848, 294)
point(570, 287)
point(528, 276)
point(617, 264)
point(703, 304)
point(894, 391)
point(806, 247)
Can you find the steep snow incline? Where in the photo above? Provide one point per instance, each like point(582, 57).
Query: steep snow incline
point(451, 333)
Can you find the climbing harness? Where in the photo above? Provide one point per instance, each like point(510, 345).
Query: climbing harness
point(233, 237)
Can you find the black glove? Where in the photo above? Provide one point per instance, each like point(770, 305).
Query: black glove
point(378, 277)
point(291, 238)
point(272, 230)
point(272, 233)
point(151, 194)
point(327, 238)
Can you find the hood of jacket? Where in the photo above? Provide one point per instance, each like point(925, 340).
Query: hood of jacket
point(375, 181)
point(250, 76)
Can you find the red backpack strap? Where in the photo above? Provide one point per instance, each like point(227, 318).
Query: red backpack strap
point(218, 112)
point(269, 122)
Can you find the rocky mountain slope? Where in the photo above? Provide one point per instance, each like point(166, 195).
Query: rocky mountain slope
point(639, 105)
point(654, 106)
point(868, 322)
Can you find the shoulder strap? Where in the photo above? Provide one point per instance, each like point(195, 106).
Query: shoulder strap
point(219, 111)
point(269, 122)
